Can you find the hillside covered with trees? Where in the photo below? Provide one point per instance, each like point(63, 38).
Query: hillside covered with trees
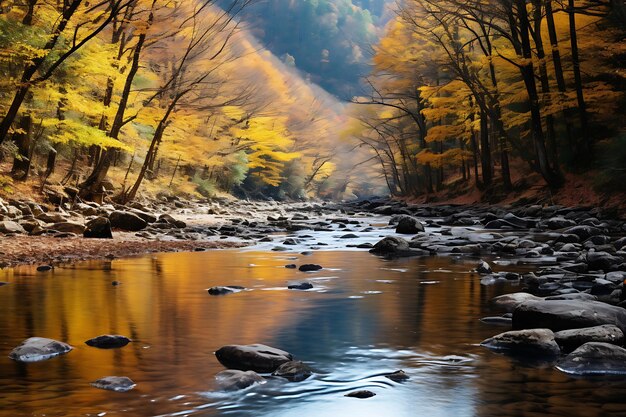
point(133, 96)
point(468, 93)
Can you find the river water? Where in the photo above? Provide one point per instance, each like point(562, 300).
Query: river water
point(364, 317)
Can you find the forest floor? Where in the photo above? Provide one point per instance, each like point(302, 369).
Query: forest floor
point(529, 189)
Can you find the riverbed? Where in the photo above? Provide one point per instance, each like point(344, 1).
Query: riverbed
point(364, 317)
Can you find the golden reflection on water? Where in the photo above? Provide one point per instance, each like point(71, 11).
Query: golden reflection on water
point(428, 307)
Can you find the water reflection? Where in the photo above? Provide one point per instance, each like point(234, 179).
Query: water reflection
point(365, 317)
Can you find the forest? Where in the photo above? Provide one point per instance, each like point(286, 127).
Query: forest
point(128, 98)
point(121, 97)
point(496, 93)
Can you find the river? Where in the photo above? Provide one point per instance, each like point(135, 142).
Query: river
point(366, 316)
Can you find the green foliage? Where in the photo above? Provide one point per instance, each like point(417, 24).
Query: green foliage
point(612, 164)
point(206, 187)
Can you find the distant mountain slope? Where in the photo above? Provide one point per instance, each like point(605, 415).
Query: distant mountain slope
point(329, 40)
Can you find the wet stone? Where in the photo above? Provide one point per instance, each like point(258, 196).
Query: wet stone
point(397, 376)
point(230, 289)
point(302, 286)
point(115, 383)
point(233, 380)
point(362, 394)
point(257, 357)
point(37, 349)
point(294, 371)
point(108, 341)
point(310, 268)
point(595, 358)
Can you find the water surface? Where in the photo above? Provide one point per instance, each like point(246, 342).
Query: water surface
point(365, 317)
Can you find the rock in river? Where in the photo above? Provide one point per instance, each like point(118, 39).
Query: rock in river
point(115, 383)
point(230, 289)
point(233, 380)
point(533, 342)
point(483, 268)
point(508, 302)
point(294, 371)
point(392, 246)
point(408, 225)
point(309, 267)
point(397, 376)
point(108, 341)
point(302, 286)
point(595, 358)
point(37, 349)
point(362, 394)
point(571, 339)
point(567, 314)
point(257, 357)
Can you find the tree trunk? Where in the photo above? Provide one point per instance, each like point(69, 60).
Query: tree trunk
point(582, 105)
point(23, 139)
point(93, 183)
point(485, 150)
point(528, 74)
point(558, 70)
point(545, 86)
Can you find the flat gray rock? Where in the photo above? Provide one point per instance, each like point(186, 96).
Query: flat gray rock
point(233, 380)
point(570, 340)
point(558, 315)
point(115, 383)
point(595, 358)
point(37, 349)
point(257, 357)
point(532, 342)
point(508, 302)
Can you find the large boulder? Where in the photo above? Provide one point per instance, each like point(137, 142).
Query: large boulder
point(603, 260)
point(98, 228)
point(233, 380)
point(508, 302)
point(68, 227)
point(571, 339)
point(294, 371)
point(532, 342)
point(115, 383)
point(108, 341)
point(392, 246)
point(127, 221)
point(37, 349)
point(8, 226)
point(567, 314)
point(257, 357)
point(408, 225)
point(595, 358)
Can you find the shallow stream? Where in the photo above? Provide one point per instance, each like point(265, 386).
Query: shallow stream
point(365, 317)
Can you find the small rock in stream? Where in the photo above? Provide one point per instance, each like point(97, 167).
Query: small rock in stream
point(108, 341)
point(257, 357)
point(533, 342)
point(294, 371)
point(302, 286)
point(362, 394)
point(44, 268)
point(233, 380)
point(230, 289)
point(310, 267)
point(397, 376)
point(115, 383)
point(37, 349)
point(484, 268)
